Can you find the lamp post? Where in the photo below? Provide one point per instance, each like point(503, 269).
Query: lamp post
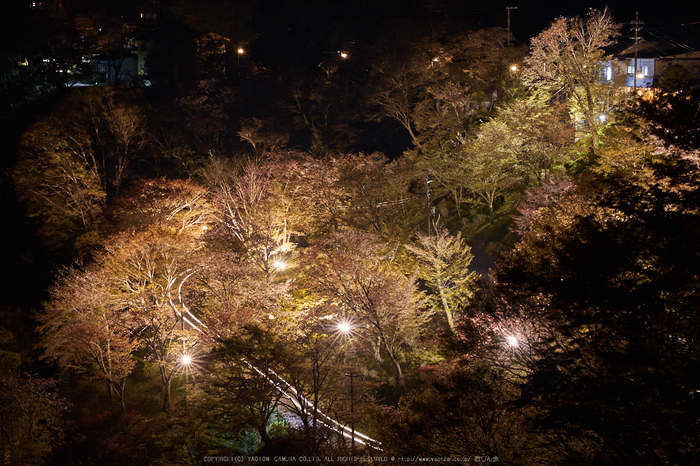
point(352, 411)
point(345, 328)
point(185, 361)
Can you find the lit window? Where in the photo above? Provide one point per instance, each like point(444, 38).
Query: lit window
point(630, 69)
point(645, 71)
point(608, 73)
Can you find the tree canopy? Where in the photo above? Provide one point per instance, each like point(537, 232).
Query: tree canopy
point(427, 247)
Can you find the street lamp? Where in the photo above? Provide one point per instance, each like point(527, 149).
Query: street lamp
point(279, 264)
point(345, 328)
point(512, 341)
point(185, 362)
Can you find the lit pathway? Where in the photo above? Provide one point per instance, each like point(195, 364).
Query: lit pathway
point(298, 401)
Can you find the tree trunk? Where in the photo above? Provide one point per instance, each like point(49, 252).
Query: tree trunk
point(262, 431)
point(166, 396)
point(110, 389)
point(448, 311)
point(394, 361)
point(397, 368)
point(123, 389)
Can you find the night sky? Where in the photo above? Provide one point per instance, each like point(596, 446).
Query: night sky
point(675, 17)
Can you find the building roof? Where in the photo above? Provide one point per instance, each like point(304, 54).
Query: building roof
point(651, 49)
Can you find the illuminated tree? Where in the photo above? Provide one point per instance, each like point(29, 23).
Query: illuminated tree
point(444, 260)
point(376, 195)
point(491, 165)
point(143, 270)
point(127, 136)
point(231, 292)
point(262, 139)
point(73, 157)
point(468, 76)
point(211, 55)
point(83, 326)
point(536, 199)
point(177, 204)
point(311, 363)
point(540, 136)
point(60, 178)
point(252, 209)
point(129, 295)
point(438, 90)
point(353, 271)
point(567, 61)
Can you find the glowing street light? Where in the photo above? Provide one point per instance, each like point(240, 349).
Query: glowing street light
point(513, 67)
point(279, 265)
point(344, 327)
point(186, 359)
point(512, 341)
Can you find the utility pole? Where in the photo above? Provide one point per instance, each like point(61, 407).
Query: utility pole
point(636, 28)
point(508, 8)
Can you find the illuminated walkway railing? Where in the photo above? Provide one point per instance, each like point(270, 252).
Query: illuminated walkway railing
point(281, 385)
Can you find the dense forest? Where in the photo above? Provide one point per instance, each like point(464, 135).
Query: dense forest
point(449, 245)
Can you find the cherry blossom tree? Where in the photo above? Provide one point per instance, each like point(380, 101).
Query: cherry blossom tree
point(567, 60)
point(83, 326)
point(353, 272)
